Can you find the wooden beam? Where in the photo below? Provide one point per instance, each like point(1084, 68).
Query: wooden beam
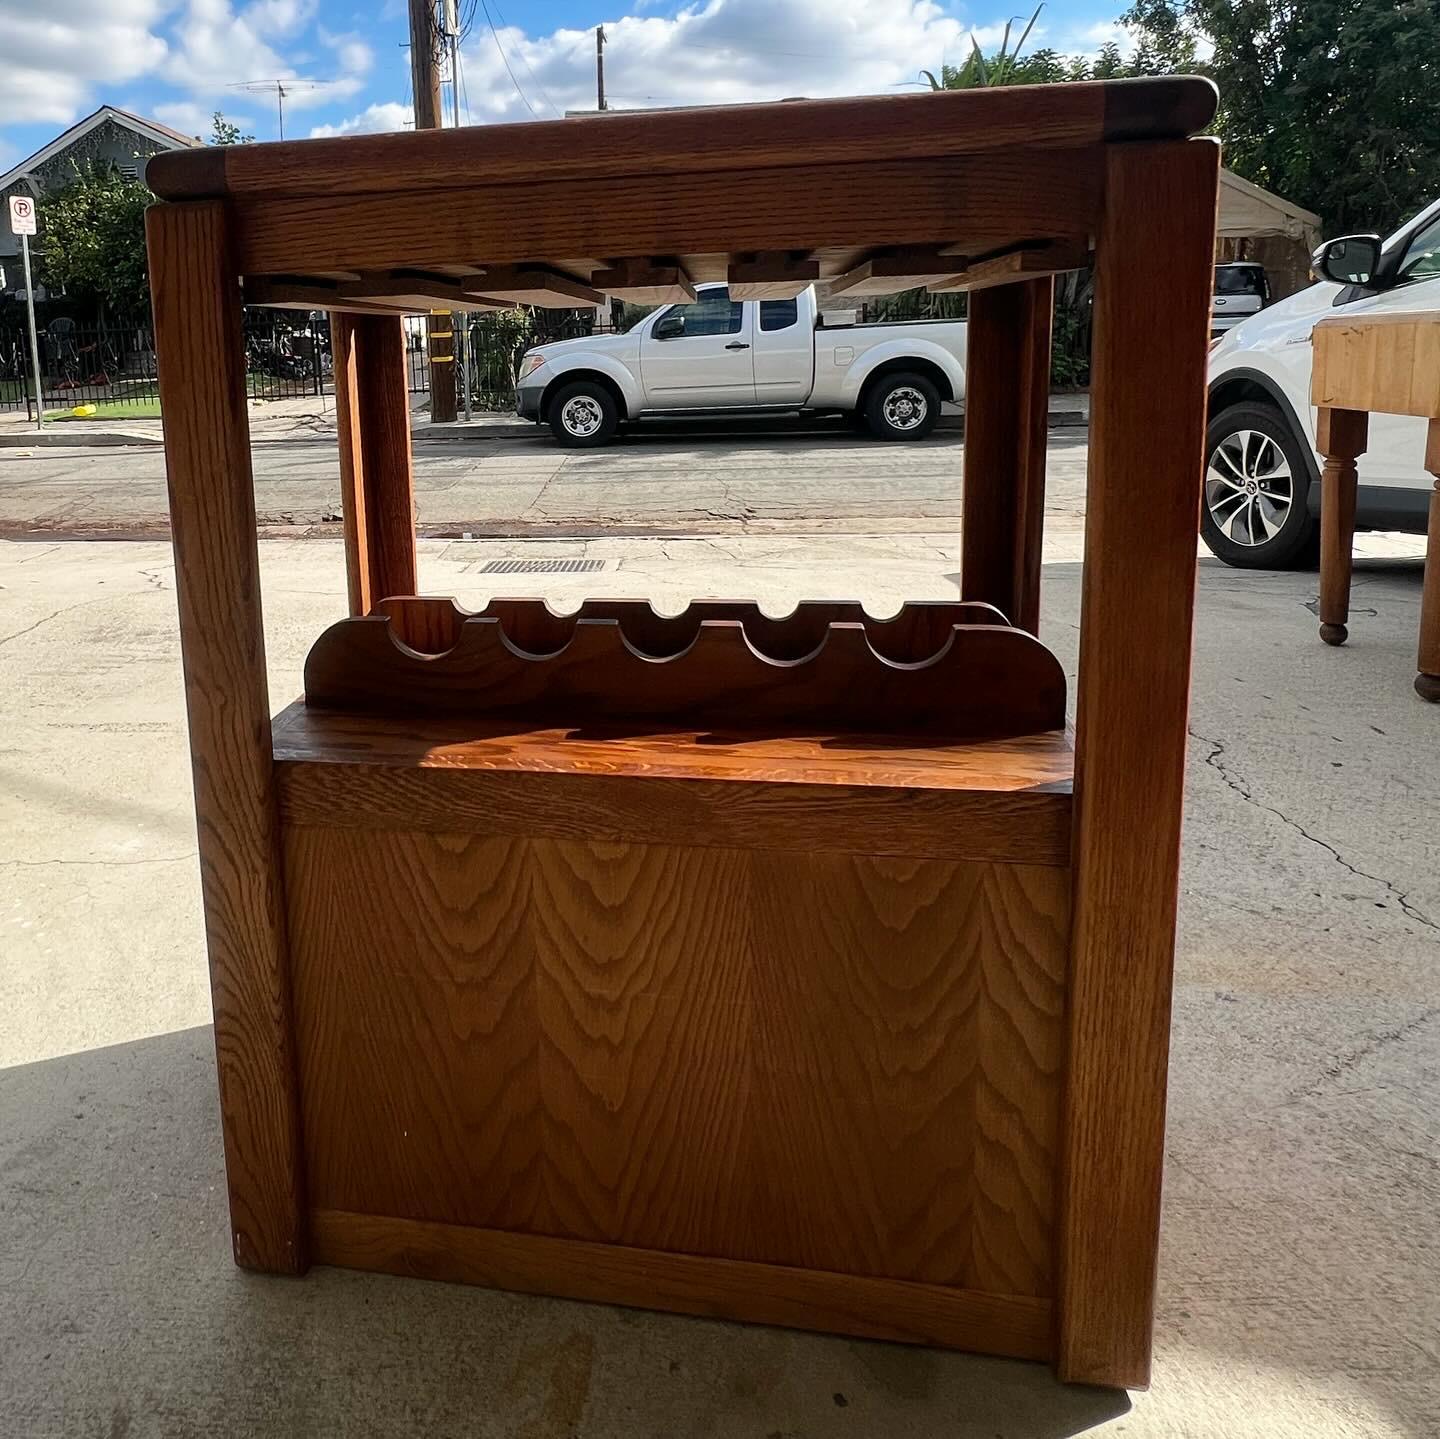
point(197, 304)
point(645, 282)
point(377, 499)
point(1017, 265)
point(533, 285)
point(418, 292)
point(1147, 433)
point(740, 139)
point(771, 276)
point(284, 293)
point(1007, 392)
point(890, 271)
point(982, 203)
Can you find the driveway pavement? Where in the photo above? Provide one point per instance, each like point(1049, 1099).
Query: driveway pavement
point(1300, 1269)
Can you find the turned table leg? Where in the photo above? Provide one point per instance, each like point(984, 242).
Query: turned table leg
point(1340, 436)
point(1427, 680)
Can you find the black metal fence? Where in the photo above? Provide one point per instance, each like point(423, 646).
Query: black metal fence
point(287, 356)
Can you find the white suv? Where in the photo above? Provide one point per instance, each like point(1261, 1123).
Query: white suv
point(1262, 476)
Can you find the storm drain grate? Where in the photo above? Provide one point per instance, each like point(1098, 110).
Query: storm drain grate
point(541, 567)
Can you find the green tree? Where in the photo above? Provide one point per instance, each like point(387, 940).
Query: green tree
point(226, 132)
point(92, 240)
point(1331, 103)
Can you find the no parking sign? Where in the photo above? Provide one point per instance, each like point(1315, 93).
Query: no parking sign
point(22, 215)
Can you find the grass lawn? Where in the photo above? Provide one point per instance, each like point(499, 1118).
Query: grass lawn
point(142, 409)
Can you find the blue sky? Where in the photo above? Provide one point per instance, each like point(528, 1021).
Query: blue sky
point(179, 60)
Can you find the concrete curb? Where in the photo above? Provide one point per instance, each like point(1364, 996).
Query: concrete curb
point(58, 438)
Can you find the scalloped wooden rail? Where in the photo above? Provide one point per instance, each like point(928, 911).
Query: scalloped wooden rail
point(982, 681)
point(432, 624)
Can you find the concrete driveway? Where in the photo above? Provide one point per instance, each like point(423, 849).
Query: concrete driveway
point(1300, 1273)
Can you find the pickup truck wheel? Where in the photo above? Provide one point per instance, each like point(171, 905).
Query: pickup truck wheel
point(1254, 515)
point(902, 407)
point(584, 414)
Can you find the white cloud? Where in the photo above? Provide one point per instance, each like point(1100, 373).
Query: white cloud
point(220, 47)
point(716, 52)
point(371, 121)
point(56, 52)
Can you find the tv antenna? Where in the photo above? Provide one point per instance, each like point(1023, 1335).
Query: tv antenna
point(282, 87)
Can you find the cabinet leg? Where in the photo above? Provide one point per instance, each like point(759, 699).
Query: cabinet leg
point(1340, 437)
point(1427, 681)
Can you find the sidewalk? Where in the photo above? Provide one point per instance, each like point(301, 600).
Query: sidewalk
point(272, 420)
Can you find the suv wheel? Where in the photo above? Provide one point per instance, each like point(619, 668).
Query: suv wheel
point(1254, 513)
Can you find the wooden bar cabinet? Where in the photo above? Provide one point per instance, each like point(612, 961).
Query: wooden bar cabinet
point(796, 969)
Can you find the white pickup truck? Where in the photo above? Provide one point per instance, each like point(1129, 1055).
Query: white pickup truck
point(719, 354)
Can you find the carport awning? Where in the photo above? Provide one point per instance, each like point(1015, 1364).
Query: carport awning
point(1247, 210)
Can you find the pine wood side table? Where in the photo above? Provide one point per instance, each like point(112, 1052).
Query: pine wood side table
point(794, 969)
point(1362, 364)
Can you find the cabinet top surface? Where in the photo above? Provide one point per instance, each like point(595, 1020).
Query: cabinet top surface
point(788, 133)
point(1041, 763)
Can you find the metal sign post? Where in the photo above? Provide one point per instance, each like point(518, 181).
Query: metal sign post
point(22, 223)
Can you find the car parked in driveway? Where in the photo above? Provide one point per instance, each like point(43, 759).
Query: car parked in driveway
point(1262, 476)
point(718, 354)
point(1242, 289)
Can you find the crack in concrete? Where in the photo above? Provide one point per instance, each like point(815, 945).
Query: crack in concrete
point(1240, 786)
point(95, 863)
point(1372, 1044)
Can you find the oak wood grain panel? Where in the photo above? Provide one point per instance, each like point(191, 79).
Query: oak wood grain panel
point(377, 490)
point(1034, 763)
point(909, 1029)
point(1001, 827)
point(196, 298)
point(841, 1063)
point(983, 202)
point(643, 958)
point(687, 1284)
point(682, 141)
point(1156, 240)
point(1007, 388)
point(987, 681)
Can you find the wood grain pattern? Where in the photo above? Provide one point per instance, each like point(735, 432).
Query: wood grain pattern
point(913, 633)
point(1389, 363)
point(902, 1312)
point(987, 681)
point(645, 282)
point(981, 202)
point(684, 141)
point(829, 1061)
point(1007, 395)
point(777, 276)
point(540, 285)
point(196, 298)
point(1341, 437)
point(1136, 616)
point(673, 789)
point(888, 272)
point(1026, 263)
point(377, 493)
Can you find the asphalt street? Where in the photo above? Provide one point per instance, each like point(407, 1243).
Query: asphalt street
point(783, 478)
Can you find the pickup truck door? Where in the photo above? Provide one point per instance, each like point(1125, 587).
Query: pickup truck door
point(784, 352)
point(699, 355)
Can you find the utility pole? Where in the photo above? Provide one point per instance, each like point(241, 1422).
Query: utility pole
point(600, 66)
point(462, 318)
point(425, 82)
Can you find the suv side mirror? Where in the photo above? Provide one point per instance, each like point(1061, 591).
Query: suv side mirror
point(1350, 260)
point(668, 327)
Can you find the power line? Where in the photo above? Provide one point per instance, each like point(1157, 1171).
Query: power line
point(506, 24)
point(495, 35)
